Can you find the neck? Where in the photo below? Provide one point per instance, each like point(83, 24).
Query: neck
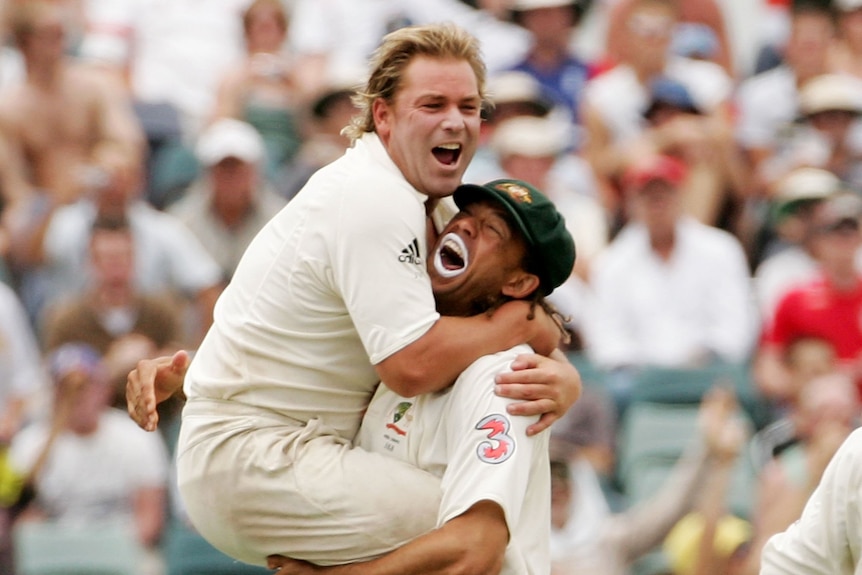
point(231, 217)
point(431, 234)
point(114, 297)
point(843, 280)
point(547, 56)
point(663, 243)
point(44, 75)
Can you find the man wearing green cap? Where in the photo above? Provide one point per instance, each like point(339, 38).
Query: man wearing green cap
point(507, 242)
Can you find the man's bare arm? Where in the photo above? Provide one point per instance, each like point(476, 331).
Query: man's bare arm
point(437, 358)
point(118, 128)
point(547, 386)
point(473, 543)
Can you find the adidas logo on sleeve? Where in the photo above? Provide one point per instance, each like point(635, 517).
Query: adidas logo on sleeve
point(410, 254)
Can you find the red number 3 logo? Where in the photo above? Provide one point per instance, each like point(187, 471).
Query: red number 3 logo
point(499, 446)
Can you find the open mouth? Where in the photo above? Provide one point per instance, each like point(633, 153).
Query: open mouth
point(447, 154)
point(451, 256)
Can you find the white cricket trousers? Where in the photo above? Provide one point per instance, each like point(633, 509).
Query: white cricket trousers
point(255, 485)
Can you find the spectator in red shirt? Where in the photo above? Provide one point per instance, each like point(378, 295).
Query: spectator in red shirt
point(829, 307)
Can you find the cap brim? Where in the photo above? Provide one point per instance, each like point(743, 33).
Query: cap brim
point(466, 194)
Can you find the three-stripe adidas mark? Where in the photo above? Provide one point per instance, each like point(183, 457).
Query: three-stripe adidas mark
point(410, 254)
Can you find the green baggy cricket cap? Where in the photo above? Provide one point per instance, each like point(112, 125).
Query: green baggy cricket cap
point(543, 227)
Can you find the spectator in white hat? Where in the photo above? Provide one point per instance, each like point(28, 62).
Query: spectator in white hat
point(794, 200)
point(511, 94)
point(231, 201)
point(828, 134)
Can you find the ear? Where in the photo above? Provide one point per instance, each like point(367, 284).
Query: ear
point(381, 113)
point(520, 284)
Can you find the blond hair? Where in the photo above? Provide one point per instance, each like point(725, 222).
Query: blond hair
point(396, 51)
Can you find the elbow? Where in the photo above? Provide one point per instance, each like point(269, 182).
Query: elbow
point(479, 562)
point(477, 556)
point(479, 539)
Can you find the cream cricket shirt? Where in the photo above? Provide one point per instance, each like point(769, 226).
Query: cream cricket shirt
point(334, 283)
point(464, 435)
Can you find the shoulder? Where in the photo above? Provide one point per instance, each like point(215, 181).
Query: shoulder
point(607, 83)
point(72, 223)
point(802, 296)
point(717, 241)
point(766, 84)
point(627, 247)
point(484, 369)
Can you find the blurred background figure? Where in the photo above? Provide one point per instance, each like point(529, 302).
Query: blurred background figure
point(551, 59)
point(788, 259)
point(768, 103)
point(511, 94)
point(586, 537)
point(172, 55)
point(111, 314)
point(702, 32)
point(231, 201)
point(846, 51)
point(88, 464)
point(826, 307)
point(614, 101)
point(23, 382)
point(678, 126)
point(261, 90)
point(168, 257)
point(669, 290)
point(827, 134)
point(65, 118)
point(321, 123)
point(828, 410)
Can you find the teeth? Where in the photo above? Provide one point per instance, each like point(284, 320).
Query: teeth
point(456, 244)
point(450, 146)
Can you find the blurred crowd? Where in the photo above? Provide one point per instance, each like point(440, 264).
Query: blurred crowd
point(707, 156)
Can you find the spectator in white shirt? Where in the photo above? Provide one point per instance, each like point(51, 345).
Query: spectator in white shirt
point(668, 290)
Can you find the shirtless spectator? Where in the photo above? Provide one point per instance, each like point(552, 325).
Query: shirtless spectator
point(62, 120)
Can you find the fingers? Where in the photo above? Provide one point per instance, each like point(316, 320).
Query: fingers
point(140, 395)
point(544, 423)
point(532, 408)
point(275, 561)
point(527, 361)
point(180, 362)
point(526, 391)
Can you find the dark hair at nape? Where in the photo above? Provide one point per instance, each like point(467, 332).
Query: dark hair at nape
point(824, 7)
point(118, 223)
